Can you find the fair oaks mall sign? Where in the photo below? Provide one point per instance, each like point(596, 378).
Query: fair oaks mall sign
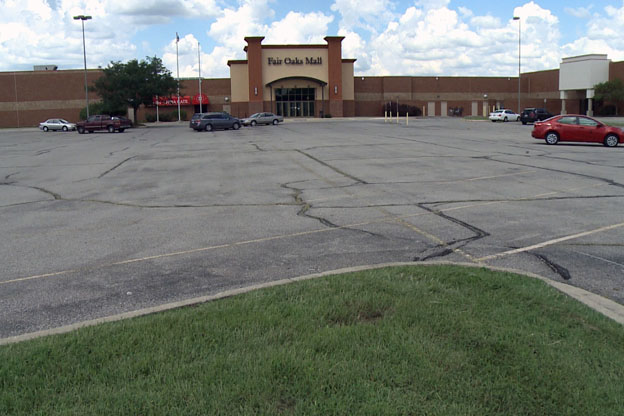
point(296, 61)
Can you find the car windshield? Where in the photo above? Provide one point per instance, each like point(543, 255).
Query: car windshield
point(255, 115)
point(64, 121)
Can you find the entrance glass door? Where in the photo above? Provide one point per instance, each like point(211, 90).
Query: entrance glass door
point(295, 102)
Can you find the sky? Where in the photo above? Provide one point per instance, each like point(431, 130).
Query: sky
point(387, 37)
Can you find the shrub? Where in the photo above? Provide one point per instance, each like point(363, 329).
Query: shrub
point(403, 109)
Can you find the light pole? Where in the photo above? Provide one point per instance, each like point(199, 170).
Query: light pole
point(519, 49)
point(199, 62)
point(178, 68)
point(82, 19)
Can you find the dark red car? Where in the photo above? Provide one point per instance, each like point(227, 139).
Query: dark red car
point(577, 128)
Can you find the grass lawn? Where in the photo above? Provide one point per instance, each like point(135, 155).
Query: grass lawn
point(418, 340)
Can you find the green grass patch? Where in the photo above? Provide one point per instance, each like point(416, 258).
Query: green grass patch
point(436, 340)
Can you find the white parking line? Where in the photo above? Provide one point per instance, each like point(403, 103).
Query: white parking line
point(550, 242)
point(600, 258)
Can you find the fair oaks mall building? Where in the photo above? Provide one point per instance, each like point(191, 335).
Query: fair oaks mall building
point(315, 81)
point(293, 80)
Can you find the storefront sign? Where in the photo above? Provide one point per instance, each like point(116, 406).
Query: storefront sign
point(296, 61)
point(170, 101)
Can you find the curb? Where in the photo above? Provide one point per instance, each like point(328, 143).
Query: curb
point(600, 304)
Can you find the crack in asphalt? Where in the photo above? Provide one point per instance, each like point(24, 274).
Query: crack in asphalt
point(582, 175)
point(119, 151)
point(58, 197)
point(557, 268)
point(306, 207)
point(258, 148)
point(335, 169)
point(450, 247)
point(6, 178)
point(116, 166)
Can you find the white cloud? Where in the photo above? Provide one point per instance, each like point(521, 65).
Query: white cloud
point(299, 28)
point(370, 15)
point(233, 25)
point(604, 34)
point(580, 12)
point(354, 46)
point(431, 37)
point(436, 40)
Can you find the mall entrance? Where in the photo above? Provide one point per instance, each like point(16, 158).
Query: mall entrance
point(295, 102)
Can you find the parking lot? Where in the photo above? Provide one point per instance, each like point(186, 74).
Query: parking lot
point(99, 224)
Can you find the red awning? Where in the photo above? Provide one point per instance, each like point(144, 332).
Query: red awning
point(204, 98)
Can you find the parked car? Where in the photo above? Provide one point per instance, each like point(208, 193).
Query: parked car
point(577, 128)
point(195, 116)
point(503, 115)
point(214, 121)
point(262, 118)
point(57, 124)
point(531, 115)
point(103, 122)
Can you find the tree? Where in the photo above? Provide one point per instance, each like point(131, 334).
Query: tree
point(134, 83)
point(610, 91)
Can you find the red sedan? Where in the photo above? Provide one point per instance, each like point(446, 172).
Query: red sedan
point(577, 128)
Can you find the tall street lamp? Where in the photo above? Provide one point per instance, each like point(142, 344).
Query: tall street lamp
point(199, 77)
point(519, 49)
point(82, 18)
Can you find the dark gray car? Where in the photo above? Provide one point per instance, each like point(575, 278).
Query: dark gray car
point(215, 121)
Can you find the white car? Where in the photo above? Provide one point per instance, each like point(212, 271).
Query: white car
point(57, 124)
point(504, 115)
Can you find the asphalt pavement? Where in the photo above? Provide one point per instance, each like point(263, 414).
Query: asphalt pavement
point(102, 225)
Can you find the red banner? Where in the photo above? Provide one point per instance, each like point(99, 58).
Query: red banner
point(171, 101)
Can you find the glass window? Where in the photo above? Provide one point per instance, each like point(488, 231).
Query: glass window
point(568, 120)
point(587, 122)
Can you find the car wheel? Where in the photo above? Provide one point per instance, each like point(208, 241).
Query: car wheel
point(253, 123)
point(236, 126)
point(275, 122)
point(121, 130)
point(493, 121)
point(80, 130)
point(208, 127)
point(64, 128)
point(505, 119)
point(45, 128)
point(524, 123)
point(111, 129)
point(611, 140)
point(552, 138)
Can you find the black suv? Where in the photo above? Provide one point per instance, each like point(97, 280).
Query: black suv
point(531, 115)
point(214, 121)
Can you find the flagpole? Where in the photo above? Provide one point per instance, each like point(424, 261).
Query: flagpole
point(178, 67)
